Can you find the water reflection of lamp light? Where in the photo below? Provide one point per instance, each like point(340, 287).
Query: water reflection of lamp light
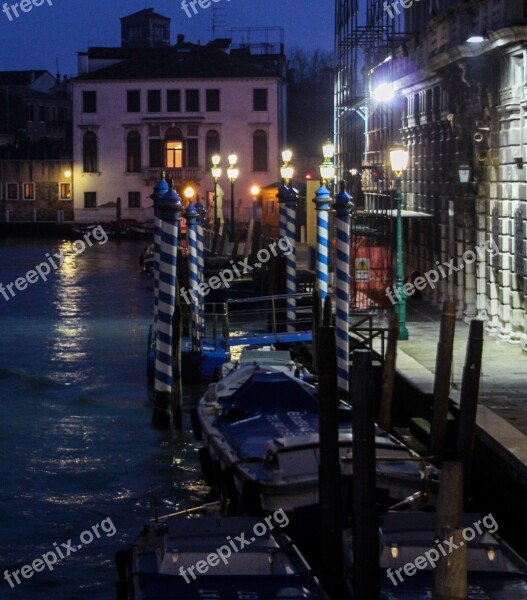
point(394, 550)
point(491, 553)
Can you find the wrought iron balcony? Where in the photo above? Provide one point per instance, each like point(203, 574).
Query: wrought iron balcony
point(177, 175)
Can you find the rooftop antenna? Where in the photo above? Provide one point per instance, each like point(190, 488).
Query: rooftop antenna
point(218, 16)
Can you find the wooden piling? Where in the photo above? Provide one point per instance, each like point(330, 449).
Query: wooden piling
point(469, 399)
point(388, 374)
point(450, 498)
point(443, 372)
point(366, 584)
point(327, 319)
point(329, 465)
point(177, 388)
point(450, 574)
point(317, 322)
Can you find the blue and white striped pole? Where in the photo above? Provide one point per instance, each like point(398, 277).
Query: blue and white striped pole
point(160, 189)
point(283, 190)
point(192, 216)
point(290, 211)
point(168, 208)
point(322, 202)
point(343, 208)
point(201, 260)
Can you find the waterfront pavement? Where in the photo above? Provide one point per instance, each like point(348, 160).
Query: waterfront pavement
point(502, 412)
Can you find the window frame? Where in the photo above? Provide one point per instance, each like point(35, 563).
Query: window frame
point(129, 101)
point(94, 194)
point(138, 198)
point(213, 100)
point(137, 155)
point(257, 102)
point(150, 95)
point(187, 99)
point(11, 184)
point(95, 167)
point(88, 109)
point(31, 185)
point(64, 183)
point(169, 99)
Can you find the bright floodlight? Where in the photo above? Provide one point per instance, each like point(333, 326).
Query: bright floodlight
point(475, 39)
point(384, 92)
point(398, 159)
point(328, 150)
point(287, 155)
point(255, 190)
point(216, 160)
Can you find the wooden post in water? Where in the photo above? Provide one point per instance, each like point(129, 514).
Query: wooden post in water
point(445, 347)
point(177, 388)
point(329, 465)
point(366, 584)
point(468, 407)
point(317, 322)
point(450, 575)
point(388, 374)
point(327, 318)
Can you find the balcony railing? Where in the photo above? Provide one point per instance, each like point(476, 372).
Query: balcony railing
point(177, 175)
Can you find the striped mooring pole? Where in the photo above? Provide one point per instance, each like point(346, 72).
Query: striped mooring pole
point(290, 211)
point(283, 190)
point(343, 208)
point(160, 189)
point(168, 208)
point(322, 202)
point(201, 259)
point(192, 215)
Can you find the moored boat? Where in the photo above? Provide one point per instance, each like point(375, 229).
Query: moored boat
point(260, 427)
point(216, 557)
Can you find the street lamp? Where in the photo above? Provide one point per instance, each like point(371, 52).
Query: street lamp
point(327, 168)
point(232, 174)
point(189, 193)
point(255, 192)
point(399, 163)
point(216, 174)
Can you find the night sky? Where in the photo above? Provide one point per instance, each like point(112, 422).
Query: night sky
point(36, 39)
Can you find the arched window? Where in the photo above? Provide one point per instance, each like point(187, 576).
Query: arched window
point(133, 152)
point(89, 152)
point(212, 147)
point(173, 149)
point(260, 150)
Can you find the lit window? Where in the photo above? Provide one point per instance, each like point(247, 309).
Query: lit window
point(64, 191)
point(174, 154)
point(29, 191)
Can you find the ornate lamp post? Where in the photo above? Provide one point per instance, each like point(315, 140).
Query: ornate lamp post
point(399, 163)
point(232, 174)
point(216, 174)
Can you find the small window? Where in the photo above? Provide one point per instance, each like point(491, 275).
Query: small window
point(133, 152)
point(174, 154)
point(192, 152)
point(28, 191)
point(62, 114)
point(89, 102)
point(64, 191)
point(270, 206)
point(173, 100)
point(212, 147)
point(154, 100)
point(89, 152)
point(156, 153)
point(213, 100)
point(42, 114)
point(260, 99)
point(260, 150)
point(30, 112)
point(90, 199)
point(12, 191)
point(134, 199)
point(133, 101)
point(192, 100)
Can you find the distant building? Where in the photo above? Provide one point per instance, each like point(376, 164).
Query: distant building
point(145, 29)
point(140, 110)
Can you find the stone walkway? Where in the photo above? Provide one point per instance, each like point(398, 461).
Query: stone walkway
point(503, 386)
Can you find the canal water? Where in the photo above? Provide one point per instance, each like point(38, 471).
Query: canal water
point(76, 446)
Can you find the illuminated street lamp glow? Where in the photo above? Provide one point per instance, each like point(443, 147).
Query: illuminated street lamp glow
point(216, 160)
point(475, 39)
point(398, 160)
point(67, 173)
point(189, 192)
point(328, 151)
point(287, 155)
point(255, 190)
point(384, 92)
